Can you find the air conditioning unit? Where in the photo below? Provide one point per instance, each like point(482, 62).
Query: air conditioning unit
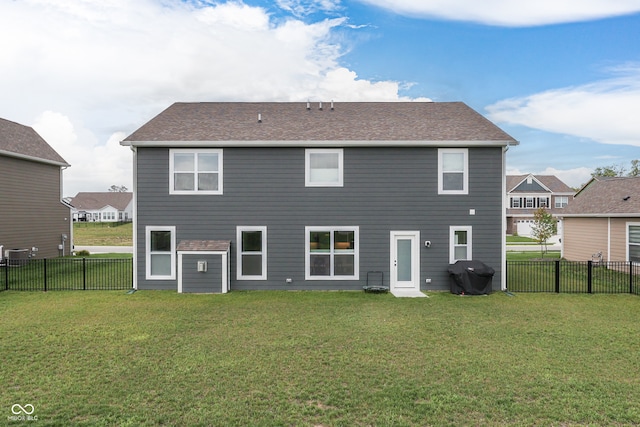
point(16, 257)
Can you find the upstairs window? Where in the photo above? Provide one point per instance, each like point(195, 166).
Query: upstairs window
point(453, 171)
point(561, 201)
point(195, 171)
point(324, 167)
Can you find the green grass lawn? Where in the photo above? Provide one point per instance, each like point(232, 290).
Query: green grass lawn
point(320, 359)
point(520, 239)
point(102, 234)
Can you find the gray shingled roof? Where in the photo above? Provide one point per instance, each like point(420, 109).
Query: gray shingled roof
point(293, 122)
point(22, 141)
point(98, 200)
point(607, 197)
point(552, 182)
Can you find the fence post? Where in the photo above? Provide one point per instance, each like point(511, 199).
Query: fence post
point(6, 275)
point(84, 274)
point(589, 276)
point(630, 277)
point(558, 277)
point(45, 274)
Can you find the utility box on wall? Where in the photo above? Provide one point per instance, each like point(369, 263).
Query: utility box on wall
point(203, 266)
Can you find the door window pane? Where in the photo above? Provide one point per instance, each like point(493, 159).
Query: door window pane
point(404, 260)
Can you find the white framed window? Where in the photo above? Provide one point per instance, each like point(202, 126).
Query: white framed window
point(633, 242)
point(529, 202)
point(561, 201)
point(515, 202)
point(251, 250)
point(160, 252)
point(195, 171)
point(332, 253)
point(453, 171)
point(324, 167)
point(460, 243)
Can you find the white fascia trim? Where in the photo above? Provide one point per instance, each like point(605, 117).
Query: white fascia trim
point(337, 143)
point(34, 159)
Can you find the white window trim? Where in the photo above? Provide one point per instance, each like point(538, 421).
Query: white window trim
point(356, 253)
point(628, 225)
point(148, 231)
point(561, 201)
point(195, 191)
point(465, 172)
point(469, 245)
point(239, 253)
point(307, 167)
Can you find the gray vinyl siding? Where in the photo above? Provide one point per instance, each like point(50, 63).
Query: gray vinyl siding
point(201, 282)
point(31, 213)
point(384, 189)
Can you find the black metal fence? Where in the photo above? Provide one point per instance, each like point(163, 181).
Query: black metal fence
point(612, 277)
point(58, 274)
point(522, 276)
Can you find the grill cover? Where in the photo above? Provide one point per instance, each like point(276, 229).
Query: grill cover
point(471, 278)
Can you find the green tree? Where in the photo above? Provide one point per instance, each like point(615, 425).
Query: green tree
point(617, 170)
point(611, 170)
point(544, 226)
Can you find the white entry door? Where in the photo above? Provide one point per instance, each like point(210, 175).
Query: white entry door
point(405, 260)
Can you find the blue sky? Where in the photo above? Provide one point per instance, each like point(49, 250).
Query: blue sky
point(562, 77)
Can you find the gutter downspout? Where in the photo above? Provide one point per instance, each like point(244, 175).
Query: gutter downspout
point(134, 210)
point(503, 269)
point(70, 217)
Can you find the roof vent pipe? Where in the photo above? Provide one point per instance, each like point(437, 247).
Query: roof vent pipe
point(308, 106)
point(259, 118)
point(332, 105)
point(320, 107)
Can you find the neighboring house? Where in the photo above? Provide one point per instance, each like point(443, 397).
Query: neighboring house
point(324, 196)
point(110, 206)
point(34, 221)
point(528, 193)
point(604, 217)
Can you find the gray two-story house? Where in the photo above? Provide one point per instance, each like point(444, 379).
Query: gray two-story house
point(302, 196)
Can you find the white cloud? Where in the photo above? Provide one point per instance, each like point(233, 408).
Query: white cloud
point(511, 13)
point(93, 165)
point(91, 69)
point(602, 111)
point(307, 7)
